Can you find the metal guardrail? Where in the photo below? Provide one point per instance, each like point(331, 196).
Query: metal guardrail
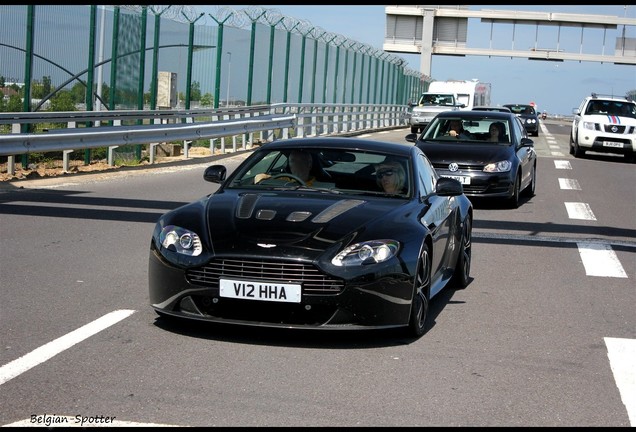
point(301, 119)
point(120, 116)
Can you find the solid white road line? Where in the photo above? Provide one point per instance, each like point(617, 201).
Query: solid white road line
point(577, 210)
point(45, 352)
point(622, 357)
point(600, 260)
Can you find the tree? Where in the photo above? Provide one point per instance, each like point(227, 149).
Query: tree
point(17, 88)
point(105, 93)
point(40, 90)
point(207, 100)
point(62, 101)
point(15, 104)
point(78, 93)
point(2, 80)
point(46, 84)
point(631, 95)
point(195, 91)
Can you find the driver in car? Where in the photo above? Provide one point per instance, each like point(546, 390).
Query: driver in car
point(299, 164)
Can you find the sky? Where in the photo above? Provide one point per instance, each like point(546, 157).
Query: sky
point(555, 87)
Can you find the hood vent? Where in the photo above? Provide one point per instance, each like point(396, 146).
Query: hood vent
point(336, 210)
point(246, 206)
point(298, 216)
point(265, 214)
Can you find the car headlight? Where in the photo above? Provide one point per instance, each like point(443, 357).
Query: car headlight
point(589, 125)
point(369, 252)
point(501, 166)
point(180, 240)
point(531, 121)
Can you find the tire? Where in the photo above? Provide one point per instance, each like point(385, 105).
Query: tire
point(419, 306)
point(513, 200)
point(414, 129)
point(530, 190)
point(461, 276)
point(576, 150)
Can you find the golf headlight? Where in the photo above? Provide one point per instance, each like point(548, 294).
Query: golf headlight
point(501, 166)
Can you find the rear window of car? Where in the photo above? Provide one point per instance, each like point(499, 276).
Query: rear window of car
point(522, 109)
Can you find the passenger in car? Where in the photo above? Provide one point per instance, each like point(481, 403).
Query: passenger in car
point(391, 177)
point(497, 132)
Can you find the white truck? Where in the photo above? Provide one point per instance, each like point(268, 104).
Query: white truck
point(447, 95)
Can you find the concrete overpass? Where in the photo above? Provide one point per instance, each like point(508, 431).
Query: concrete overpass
point(443, 30)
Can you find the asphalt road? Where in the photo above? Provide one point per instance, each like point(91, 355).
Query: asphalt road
point(536, 339)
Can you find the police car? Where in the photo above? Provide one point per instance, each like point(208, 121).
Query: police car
point(605, 124)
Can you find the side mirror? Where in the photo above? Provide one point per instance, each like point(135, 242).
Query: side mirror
point(447, 186)
point(527, 142)
point(215, 173)
point(412, 137)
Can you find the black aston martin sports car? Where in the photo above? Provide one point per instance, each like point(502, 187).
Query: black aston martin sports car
point(315, 233)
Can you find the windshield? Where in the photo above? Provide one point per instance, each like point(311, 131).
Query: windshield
point(611, 107)
point(325, 170)
point(458, 129)
point(522, 109)
point(445, 99)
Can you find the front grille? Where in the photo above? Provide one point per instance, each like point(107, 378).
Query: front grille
point(265, 312)
point(313, 281)
point(471, 189)
point(619, 129)
point(462, 167)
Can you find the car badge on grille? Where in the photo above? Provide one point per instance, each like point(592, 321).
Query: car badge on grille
point(452, 167)
point(614, 129)
point(266, 245)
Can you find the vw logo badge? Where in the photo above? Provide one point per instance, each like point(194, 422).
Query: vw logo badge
point(452, 167)
point(614, 129)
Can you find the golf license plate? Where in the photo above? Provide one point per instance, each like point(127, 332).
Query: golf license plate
point(465, 180)
point(264, 291)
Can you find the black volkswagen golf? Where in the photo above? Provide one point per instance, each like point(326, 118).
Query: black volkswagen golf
point(488, 152)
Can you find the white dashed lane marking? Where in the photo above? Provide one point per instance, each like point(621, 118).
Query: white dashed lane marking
point(565, 183)
point(600, 260)
point(562, 164)
point(578, 210)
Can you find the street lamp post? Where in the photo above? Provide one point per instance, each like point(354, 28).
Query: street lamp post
point(229, 65)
